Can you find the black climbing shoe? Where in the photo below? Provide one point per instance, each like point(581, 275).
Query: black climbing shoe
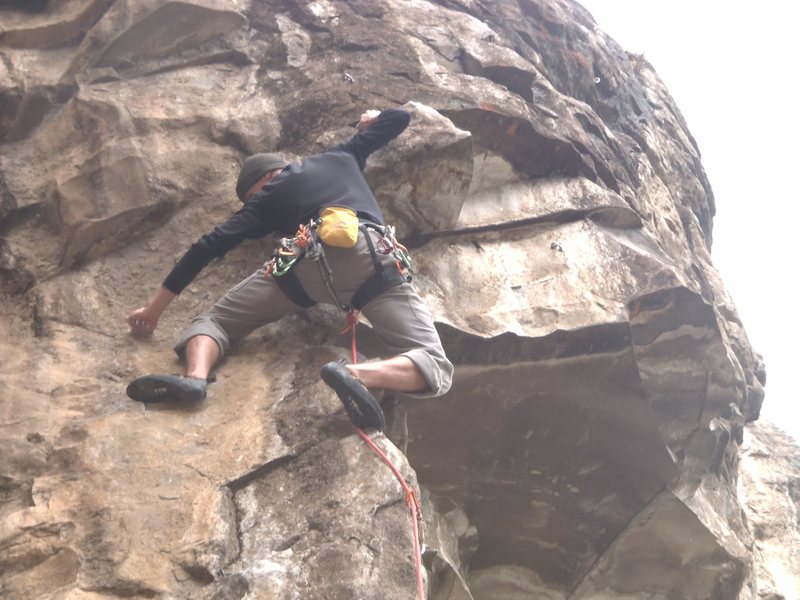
point(165, 388)
point(361, 406)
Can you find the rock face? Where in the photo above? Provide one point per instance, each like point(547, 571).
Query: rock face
point(560, 222)
point(769, 487)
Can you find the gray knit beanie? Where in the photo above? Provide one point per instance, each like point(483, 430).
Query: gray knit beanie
point(254, 168)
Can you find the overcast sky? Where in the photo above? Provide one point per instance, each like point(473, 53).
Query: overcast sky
point(732, 69)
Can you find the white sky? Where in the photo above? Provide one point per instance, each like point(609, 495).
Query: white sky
point(732, 68)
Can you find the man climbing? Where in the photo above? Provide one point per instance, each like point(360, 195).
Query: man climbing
point(283, 197)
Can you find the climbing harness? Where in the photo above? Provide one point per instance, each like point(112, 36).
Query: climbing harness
point(309, 242)
point(411, 497)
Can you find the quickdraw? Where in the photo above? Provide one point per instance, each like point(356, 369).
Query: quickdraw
point(290, 250)
point(388, 244)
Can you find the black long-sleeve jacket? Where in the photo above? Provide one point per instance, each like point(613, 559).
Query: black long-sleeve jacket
point(296, 195)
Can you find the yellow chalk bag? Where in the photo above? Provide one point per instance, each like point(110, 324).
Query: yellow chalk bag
point(338, 226)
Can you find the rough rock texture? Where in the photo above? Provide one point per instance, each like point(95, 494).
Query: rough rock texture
point(560, 222)
point(770, 493)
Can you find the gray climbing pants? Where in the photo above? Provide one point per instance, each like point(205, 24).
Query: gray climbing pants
point(398, 316)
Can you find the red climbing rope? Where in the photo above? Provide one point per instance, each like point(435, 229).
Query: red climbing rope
point(413, 505)
point(411, 497)
point(352, 323)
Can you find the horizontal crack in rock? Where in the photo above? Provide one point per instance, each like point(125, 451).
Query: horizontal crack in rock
point(566, 216)
point(240, 482)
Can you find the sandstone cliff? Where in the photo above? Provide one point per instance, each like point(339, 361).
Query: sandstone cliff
point(769, 489)
point(560, 222)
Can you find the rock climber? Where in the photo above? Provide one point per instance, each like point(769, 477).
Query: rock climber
point(281, 197)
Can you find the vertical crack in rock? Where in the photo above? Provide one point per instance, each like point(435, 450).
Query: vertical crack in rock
point(240, 483)
point(337, 528)
point(601, 556)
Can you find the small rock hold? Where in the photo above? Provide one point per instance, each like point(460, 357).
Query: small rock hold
point(556, 246)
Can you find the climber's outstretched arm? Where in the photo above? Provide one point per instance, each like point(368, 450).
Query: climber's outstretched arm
point(145, 319)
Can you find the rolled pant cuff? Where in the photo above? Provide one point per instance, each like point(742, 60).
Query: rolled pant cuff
point(438, 376)
point(203, 326)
